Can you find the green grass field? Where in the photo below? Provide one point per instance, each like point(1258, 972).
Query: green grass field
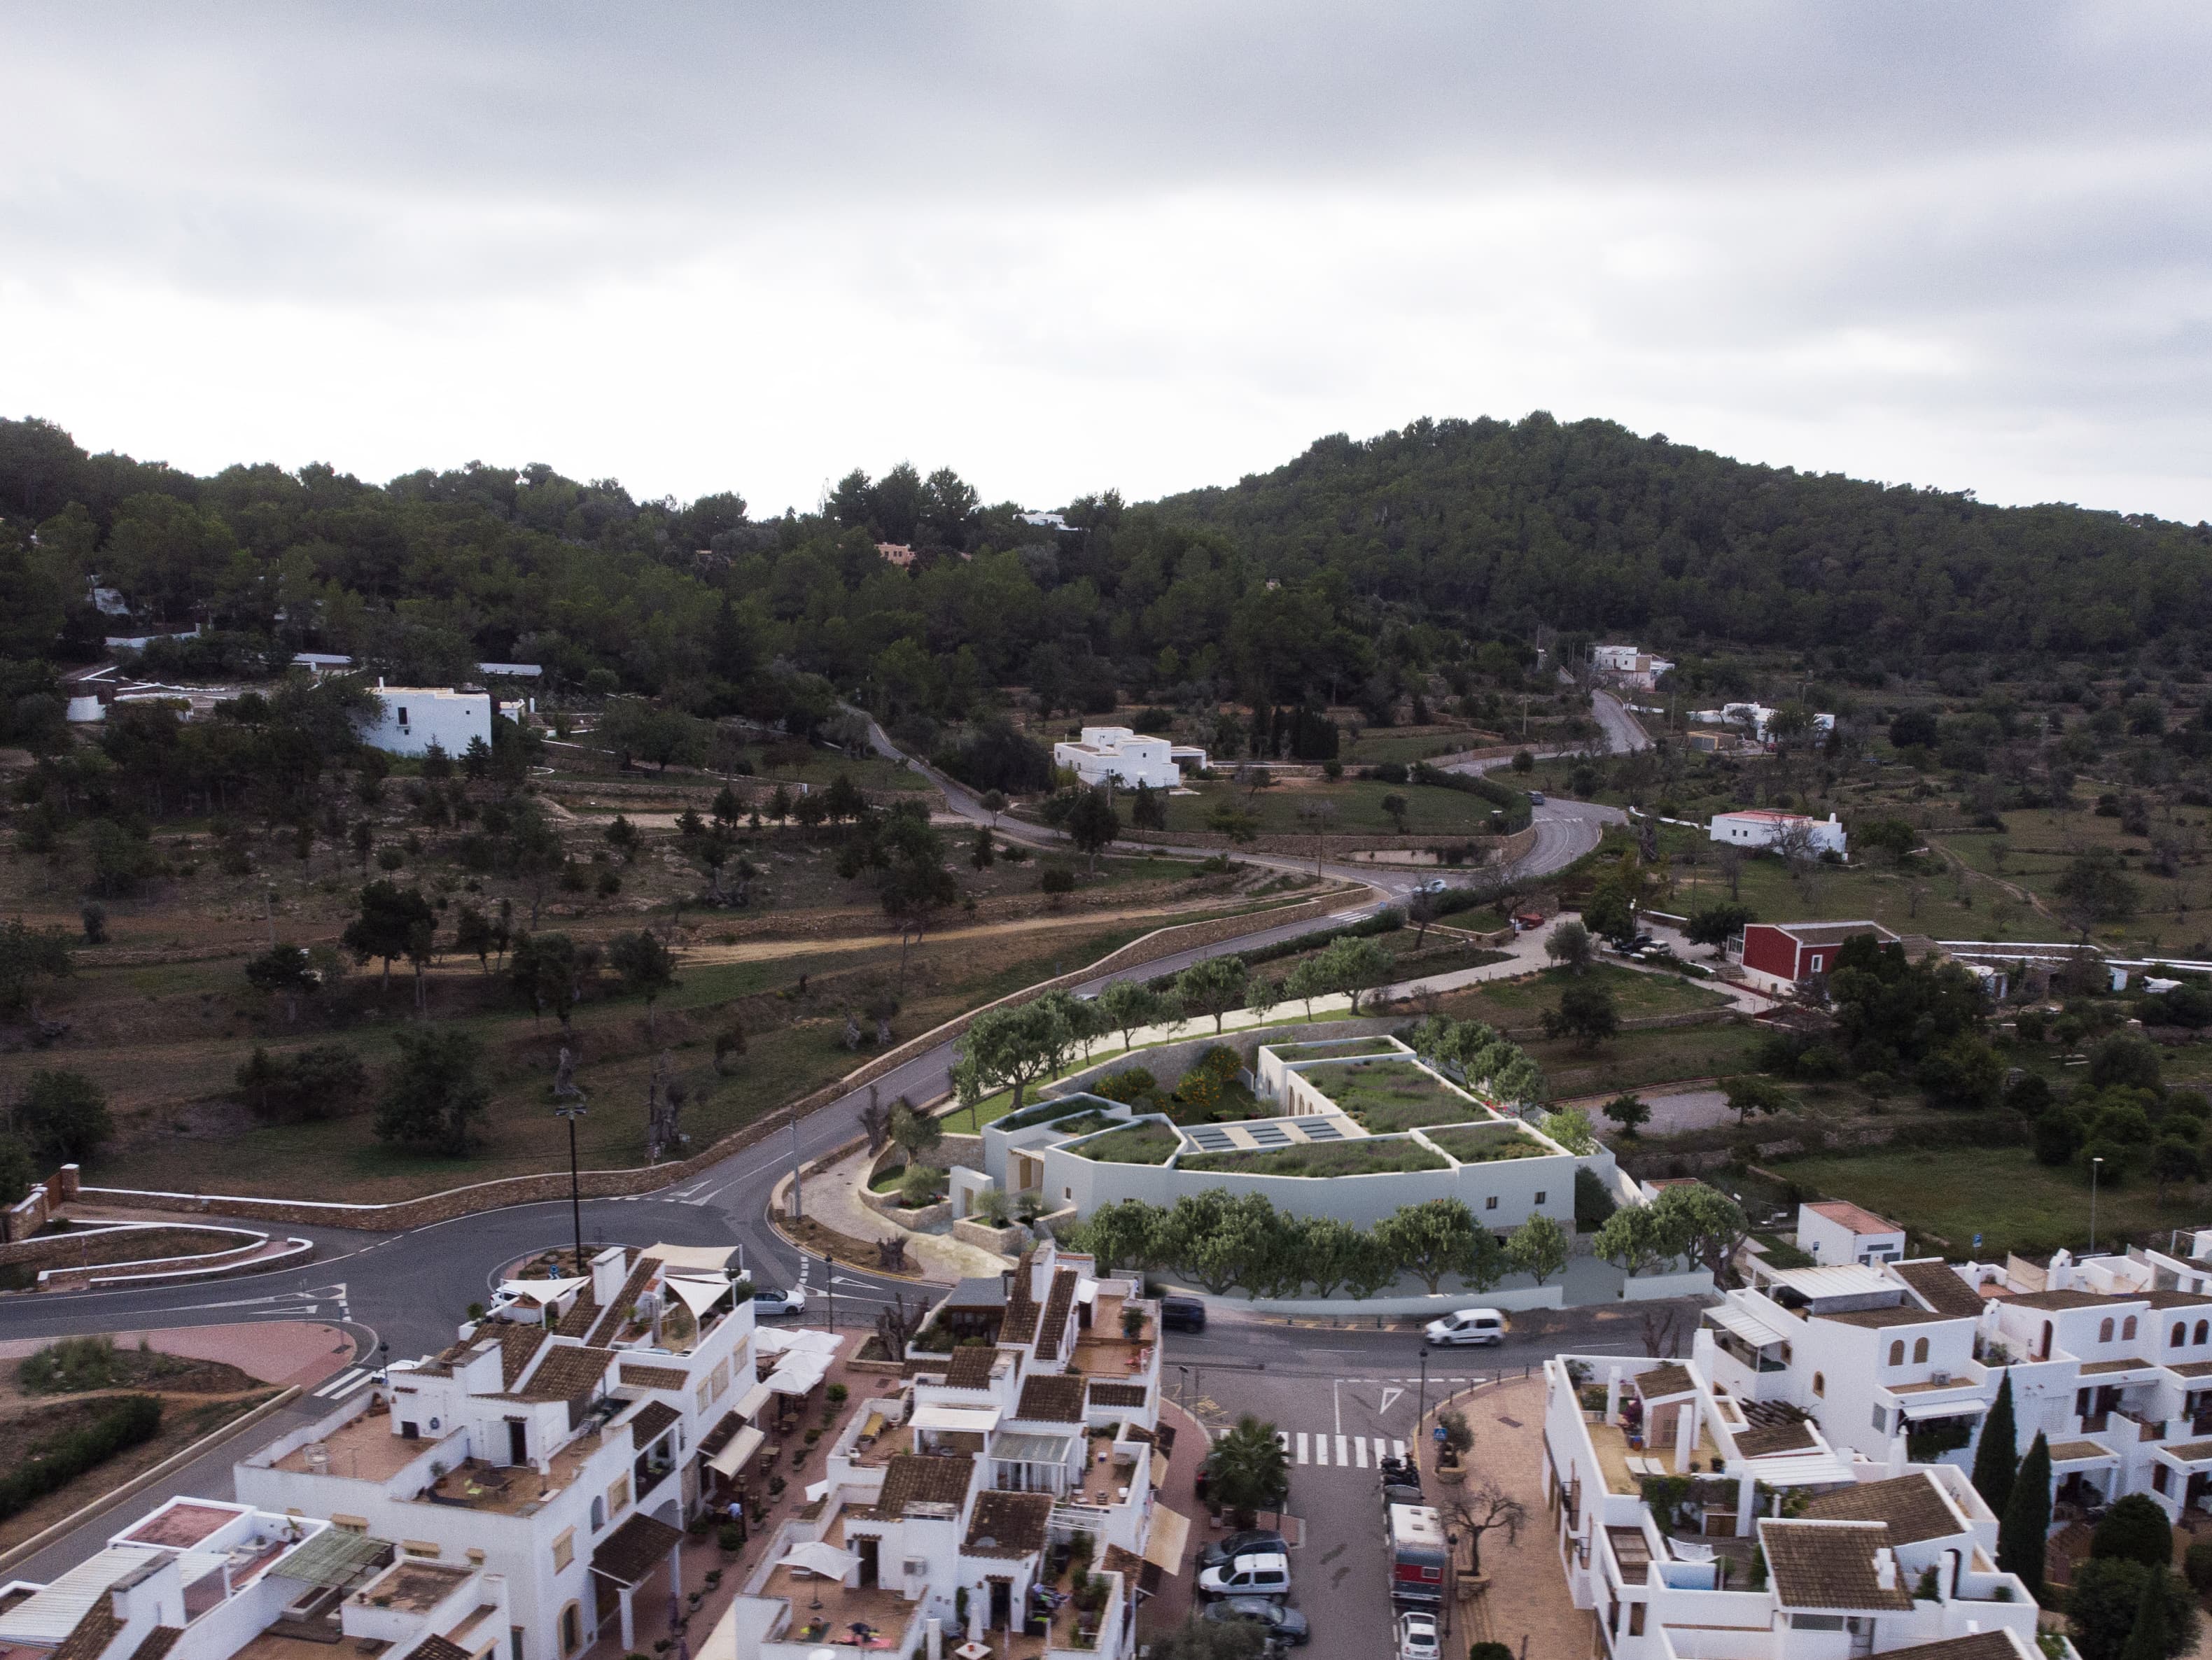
point(1358, 804)
point(1521, 1002)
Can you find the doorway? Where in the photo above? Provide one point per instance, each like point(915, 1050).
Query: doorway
point(871, 1549)
point(518, 1441)
point(1002, 1604)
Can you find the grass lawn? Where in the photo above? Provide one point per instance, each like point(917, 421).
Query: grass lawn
point(1136, 1143)
point(1411, 743)
point(1487, 1143)
point(1637, 1060)
point(1518, 1003)
point(1392, 1095)
point(1370, 1156)
point(2000, 1192)
point(1358, 803)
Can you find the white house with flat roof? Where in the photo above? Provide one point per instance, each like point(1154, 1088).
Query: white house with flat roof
point(1837, 1231)
point(1116, 754)
point(1757, 828)
point(410, 718)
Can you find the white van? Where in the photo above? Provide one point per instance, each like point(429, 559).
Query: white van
point(1468, 1326)
point(1265, 1574)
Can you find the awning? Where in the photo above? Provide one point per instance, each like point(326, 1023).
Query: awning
point(1749, 1327)
point(774, 1340)
point(1800, 1469)
point(974, 1420)
point(690, 1258)
point(541, 1291)
point(334, 1557)
point(1168, 1536)
point(732, 1458)
point(1918, 1411)
point(1086, 1291)
point(698, 1295)
point(798, 1374)
point(820, 1557)
point(634, 1550)
point(1027, 1447)
point(749, 1405)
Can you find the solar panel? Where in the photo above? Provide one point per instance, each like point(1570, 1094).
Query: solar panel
point(1211, 1139)
point(1322, 1130)
point(1267, 1136)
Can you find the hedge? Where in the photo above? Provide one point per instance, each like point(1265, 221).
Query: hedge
point(130, 1420)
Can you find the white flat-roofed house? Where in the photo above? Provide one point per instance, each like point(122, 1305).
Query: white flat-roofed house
point(1759, 828)
point(1116, 754)
point(1836, 1230)
point(413, 717)
point(1629, 666)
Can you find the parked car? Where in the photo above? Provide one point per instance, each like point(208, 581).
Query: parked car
point(1417, 1637)
point(768, 1302)
point(1535, 797)
point(1405, 1491)
point(1285, 1626)
point(1181, 1314)
point(1255, 1542)
point(1467, 1325)
point(1267, 1573)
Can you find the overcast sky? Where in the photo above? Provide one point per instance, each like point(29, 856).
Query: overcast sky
point(1061, 247)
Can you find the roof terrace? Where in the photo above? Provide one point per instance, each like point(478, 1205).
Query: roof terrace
point(1392, 1095)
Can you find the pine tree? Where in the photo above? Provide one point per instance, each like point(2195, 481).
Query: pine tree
point(2026, 1522)
point(1997, 1460)
point(2148, 1639)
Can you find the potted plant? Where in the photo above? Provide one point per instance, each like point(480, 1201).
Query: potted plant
point(1451, 1454)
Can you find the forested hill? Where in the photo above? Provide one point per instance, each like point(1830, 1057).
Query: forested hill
point(1589, 526)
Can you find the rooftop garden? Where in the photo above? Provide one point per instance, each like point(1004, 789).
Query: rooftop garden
point(1373, 1155)
point(1148, 1142)
point(1084, 1123)
point(1334, 1048)
point(1392, 1095)
point(1487, 1143)
point(1047, 1112)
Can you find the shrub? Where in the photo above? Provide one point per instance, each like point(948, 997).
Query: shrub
point(1129, 1086)
point(2135, 1529)
point(730, 1536)
point(1056, 879)
point(69, 1367)
point(2198, 1565)
point(130, 1420)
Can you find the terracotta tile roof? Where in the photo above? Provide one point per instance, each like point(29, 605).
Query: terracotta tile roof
point(566, 1372)
point(1914, 1507)
point(915, 1478)
point(1118, 1395)
point(1828, 1565)
point(1940, 1288)
point(517, 1343)
point(632, 1550)
point(158, 1642)
point(435, 1647)
point(577, 1322)
point(1051, 1398)
point(89, 1637)
point(1126, 1563)
point(1763, 1439)
point(610, 1321)
point(2174, 1299)
point(1661, 1382)
point(1977, 1646)
point(1007, 1524)
point(1058, 1301)
point(1857, 1218)
point(2058, 1299)
point(970, 1366)
point(654, 1377)
point(651, 1420)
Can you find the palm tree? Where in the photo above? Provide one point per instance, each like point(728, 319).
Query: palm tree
point(1251, 1471)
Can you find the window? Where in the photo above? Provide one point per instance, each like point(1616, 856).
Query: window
point(2180, 1334)
point(1881, 1420)
point(1897, 1353)
point(2105, 1332)
point(1539, 1196)
point(598, 1514)
point(403, 714)
point(1491, 1204)
point(2128, 1329)
point(2201, 1328)
point(1819, 1385)
point(572, 1629)
point(1816, 962)
point(618, 1497)
point(564, 1549)
point(721, 1378)
point(2158, 1478)
point(699, 1395)
point(515, 1643)
point(1635, 1618)
point(1920, 1351)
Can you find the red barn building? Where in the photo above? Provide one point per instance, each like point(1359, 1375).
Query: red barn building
point(1779, 956)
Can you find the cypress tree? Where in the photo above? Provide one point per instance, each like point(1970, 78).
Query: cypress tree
point(1997, 1460)
point(2147, 1640)
point(2026, 1522)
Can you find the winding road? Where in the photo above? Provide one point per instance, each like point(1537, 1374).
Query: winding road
point(409, 1290)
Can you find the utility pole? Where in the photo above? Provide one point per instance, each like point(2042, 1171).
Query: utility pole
point(798, 1206)
point(575, 1201)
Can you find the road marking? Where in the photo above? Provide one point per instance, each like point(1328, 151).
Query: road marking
point(1302, 1446)
point(1359, 1450)
point(1344, 1453)
point(1398, 1450)
point(1380, 1444)
point(1388, 1395)
point(1320, 1450)
point(338, 1385)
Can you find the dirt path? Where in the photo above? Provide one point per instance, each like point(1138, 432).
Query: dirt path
point(760, 950)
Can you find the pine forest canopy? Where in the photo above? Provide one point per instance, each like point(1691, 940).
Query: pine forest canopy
point(1356, 560)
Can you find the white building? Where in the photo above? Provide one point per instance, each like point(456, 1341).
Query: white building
point(413, 717)
point(562, 1449)
point(201, 1579)
point(1038, 1421)
point(1757, 828)
point(1882, 1557)
point(1832, 1231)
point(1629, 666)
point(1116, 754)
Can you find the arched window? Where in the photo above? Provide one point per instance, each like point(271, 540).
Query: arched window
point(2046, 1340)
point(572, 1629)
point(2128, 1329)
point(2203, 1329)
point(1897, 1353)
point(1819, 1383)
point(598, 1514)
point(1919, 1350)
point(2105, 1331)
point(2180, 1334)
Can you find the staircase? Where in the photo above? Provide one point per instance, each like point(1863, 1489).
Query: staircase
point(2069, 1545)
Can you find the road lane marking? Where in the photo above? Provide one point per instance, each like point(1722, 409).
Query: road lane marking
point(1344, 1453)
point(1302, 1446)
point(1320, 1450)
point(332, 1389)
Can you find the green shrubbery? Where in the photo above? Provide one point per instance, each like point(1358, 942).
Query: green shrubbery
point(127, 1421)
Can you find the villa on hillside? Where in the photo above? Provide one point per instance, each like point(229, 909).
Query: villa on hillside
point(1114, 755)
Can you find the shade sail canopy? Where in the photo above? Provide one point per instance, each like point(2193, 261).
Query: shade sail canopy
point(1748, 1326)
point(772, 1340)
point(732, 1458)
point(820, 1557)
point(690, 1258)
point(541, 1291)
point(1165, 1542)
point(697, 1294)
point(1028, 1448)
point(1919, 1410)
point(334, 1557)
point(974, 1420)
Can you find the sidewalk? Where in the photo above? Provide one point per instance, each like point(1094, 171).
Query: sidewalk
point(833, 1199)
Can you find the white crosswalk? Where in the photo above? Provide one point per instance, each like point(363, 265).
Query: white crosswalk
point(345, 1384)
point(1325, 1449)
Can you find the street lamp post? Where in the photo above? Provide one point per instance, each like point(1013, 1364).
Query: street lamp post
point(1421, 1406)
point(797, 1205)
point(829, 1285)
point(572, 1113)
point(2093, 1163)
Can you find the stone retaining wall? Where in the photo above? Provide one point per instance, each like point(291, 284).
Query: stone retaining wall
point(552, 1185)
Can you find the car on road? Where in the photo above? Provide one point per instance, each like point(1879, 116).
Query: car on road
point(1433, 885)
point(1253, 1542)
point(768, 1302)
point(1536, 798)
point(1285, 1627)
point(1418, 1637)
point(1181, 1314)
point(1467, 1325)
point(1404, 1492)
point(1266, 1573)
